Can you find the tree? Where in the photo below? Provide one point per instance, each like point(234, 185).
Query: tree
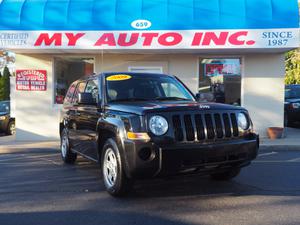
point(293, 67)
point(5, 85)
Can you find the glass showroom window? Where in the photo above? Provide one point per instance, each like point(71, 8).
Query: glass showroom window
point(66, 71)
point(220, 80)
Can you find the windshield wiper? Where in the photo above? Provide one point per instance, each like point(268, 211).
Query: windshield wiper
point(129, 100)
point(172, 98)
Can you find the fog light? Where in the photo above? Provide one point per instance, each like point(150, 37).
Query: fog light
point(146, 154)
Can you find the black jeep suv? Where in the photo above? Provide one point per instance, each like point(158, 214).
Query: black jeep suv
point(150, 125)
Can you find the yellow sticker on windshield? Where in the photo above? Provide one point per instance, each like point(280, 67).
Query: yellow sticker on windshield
point(118, 77)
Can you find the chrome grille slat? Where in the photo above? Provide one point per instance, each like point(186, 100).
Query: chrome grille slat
point(189, 129)
point(227, 125)
point(234, 124)
point(209, 126)
point(200, 128)
point(178, 132)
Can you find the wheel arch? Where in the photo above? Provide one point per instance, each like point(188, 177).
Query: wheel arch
point(112, 128)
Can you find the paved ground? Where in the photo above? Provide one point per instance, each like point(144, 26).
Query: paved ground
point(37, 189)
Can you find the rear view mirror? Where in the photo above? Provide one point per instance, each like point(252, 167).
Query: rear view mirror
point(86, 99)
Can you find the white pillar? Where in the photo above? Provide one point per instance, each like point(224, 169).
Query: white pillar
point(263, 90)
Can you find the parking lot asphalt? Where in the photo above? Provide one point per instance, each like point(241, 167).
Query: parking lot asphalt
point(36, 188)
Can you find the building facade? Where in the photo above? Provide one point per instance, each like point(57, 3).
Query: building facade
point(229, 51)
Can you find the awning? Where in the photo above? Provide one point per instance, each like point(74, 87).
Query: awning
point(164, 14)
point(188, 24)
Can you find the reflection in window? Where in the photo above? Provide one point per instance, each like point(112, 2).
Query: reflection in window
point(92, 87)
point(67, 70)
point(220, 81)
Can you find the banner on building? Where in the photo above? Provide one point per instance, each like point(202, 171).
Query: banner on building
point(31, 80)
point(152, 39)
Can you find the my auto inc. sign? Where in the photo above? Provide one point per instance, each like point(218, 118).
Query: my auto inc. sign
point(145, 39)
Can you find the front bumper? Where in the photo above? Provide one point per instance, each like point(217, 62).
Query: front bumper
point(188, 158)
point(294, 115)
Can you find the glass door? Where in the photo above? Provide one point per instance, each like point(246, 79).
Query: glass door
point(220, 80)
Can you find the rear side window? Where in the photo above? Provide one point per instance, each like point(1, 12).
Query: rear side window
point(70, 93)
point(80, 89)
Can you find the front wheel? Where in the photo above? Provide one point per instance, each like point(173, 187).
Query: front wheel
point(114, 178)
point(11, 128)
point(66, 154)
point(228, 175)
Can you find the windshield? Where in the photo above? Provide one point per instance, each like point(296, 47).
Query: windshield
point(4, 107)
point(292, 92)
point(145, 87)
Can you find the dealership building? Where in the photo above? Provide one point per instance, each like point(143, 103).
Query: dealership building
point(230, 51)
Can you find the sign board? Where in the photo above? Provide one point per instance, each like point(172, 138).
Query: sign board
point(31, 80)
point(216, 69)
point(152, 39)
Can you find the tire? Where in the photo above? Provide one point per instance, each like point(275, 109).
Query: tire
point(67, 155)
point(115, 181)
point(11, 128)
point(228, 175)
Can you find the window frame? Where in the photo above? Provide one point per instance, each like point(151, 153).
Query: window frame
point(54, 58)
point(235, 56)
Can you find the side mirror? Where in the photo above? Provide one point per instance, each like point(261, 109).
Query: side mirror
point(198, 97)
point(86, 99)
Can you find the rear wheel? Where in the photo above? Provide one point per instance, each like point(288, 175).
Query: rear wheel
point(114, 178)
point(66, 154)
point(228, 175)
point(11, 128)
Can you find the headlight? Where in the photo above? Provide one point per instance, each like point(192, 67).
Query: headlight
point(2, 117)
point(243, 121)
point(296, 105)
point(158, 125)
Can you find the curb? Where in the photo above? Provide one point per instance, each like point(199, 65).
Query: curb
point(281, 148)
point(20, 150)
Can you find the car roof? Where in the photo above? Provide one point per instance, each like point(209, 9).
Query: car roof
point(293, 85)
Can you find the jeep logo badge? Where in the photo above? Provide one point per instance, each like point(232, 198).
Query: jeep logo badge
point(204, 106)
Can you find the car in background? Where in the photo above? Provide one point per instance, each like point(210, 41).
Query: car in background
point(7, 123)
point(292, 105)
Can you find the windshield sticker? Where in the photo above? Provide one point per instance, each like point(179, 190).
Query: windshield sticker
point(118, 77)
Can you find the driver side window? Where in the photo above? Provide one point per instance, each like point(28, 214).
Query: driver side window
point(80, 89)
point(92, 87)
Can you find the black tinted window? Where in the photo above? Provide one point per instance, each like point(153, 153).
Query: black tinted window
point(4, 107)
point(292, 92)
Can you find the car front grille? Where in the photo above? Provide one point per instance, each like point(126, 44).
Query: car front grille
point(206, 126)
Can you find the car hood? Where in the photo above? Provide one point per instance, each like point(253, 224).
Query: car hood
point(3, 113)
point(292, 100)
point(142, 108)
